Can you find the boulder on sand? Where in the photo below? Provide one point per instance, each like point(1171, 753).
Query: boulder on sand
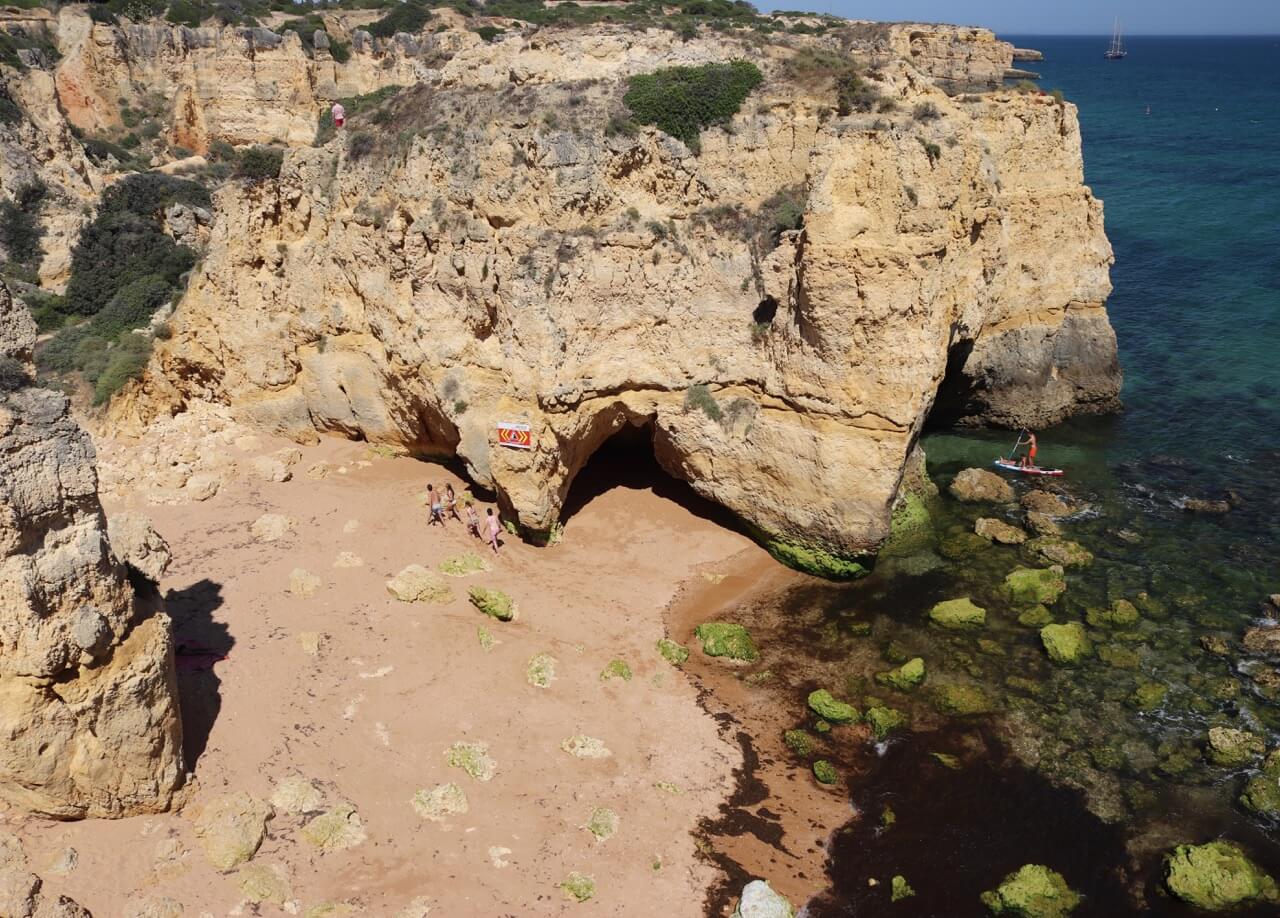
point(974, 485)
point(760, 901)
point(417, 584)
point(231, 828)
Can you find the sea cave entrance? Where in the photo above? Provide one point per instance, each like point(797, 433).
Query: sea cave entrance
point(628, 461)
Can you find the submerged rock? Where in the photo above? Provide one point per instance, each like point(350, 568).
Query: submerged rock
point(900, 889)
point(1122, 614)
point(1066, 643)
point(726, 639)
point(1061, 551)
point(958, 615)
point(1262, 791)
point(1036, 585)
point(1033, 891)
point(1263, 640)
point(1216, 876)
point(1148, 695)
point(1043, 523)
point(962, 545)
point(1035, 617)
point(975, 485)
point(906, 677)
point(1231, 748)
point(822, 703)
point(759, 900)
point(884, 721)
point(959, 700)
point(1045, 502)
point(999, 531)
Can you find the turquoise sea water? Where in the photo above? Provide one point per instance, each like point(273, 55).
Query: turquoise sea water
point(1068, 769)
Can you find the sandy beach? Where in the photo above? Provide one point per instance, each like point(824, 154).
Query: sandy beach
point(362, 695)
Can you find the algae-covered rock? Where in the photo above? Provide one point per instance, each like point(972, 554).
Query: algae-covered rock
point(822, 703)
point(759, 900)
point(884, 721)
point(1262, 792)
point(585, 747)
point(1032, 891)
point(578, 886)
point(1066, 643)
point(603, 823)
point(1043, 524)
point(1229, 747)
point(673, 653)
point(999, 531)
point(900, 889)
point(494, 603)
point(541, 671)
point(909, 527)
point(906, 677)
point(1119, 657)
point(726, 639)
point(231, 828)
point(473, 758)
point(1046, 502)
point(264, 883)
point(417, 584)
point(296, 794)
point(959, 700)
point(464, 565)
point(825, 772)
point(958, 615)
point(991, 648)
point(949, 762)
point(962, 545)
point(1148, 696)
point(616, 669)
point(336, 830)
point(1122, 614)
point(441, 802)
point(1056, 550)
point(1216, 876)
point(799, 742)
point(976, 485)
point(1035, 617)
point(1029, 585)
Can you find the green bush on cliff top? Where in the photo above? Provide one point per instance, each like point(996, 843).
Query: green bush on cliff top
point(684, 101)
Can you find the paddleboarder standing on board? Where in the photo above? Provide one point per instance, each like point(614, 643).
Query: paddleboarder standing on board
point(1029, 457)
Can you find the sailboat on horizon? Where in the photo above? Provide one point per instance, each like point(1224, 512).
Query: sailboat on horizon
point(1116, 52)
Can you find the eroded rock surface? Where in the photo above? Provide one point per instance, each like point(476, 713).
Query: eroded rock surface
point(88, 713)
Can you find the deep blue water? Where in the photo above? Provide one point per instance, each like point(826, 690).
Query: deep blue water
point(1192, 201)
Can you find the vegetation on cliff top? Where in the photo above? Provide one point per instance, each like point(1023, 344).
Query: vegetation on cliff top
point(684, 101)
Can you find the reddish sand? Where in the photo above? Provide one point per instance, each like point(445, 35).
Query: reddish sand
point(369, 718)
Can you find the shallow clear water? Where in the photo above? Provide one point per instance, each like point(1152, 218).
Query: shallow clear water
point(1192, 195)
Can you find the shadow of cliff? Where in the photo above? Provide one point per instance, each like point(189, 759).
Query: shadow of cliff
point(200, 644)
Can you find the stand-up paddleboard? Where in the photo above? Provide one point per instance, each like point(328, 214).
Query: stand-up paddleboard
point(1010, 466)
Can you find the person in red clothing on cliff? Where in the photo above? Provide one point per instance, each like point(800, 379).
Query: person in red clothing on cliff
point(339, 114)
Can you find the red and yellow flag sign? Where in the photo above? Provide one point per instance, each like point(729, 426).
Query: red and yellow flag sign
point(516, 436)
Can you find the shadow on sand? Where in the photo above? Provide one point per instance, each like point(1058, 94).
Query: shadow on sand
point(200, 644)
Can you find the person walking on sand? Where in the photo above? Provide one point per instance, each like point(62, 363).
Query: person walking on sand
point(473, 521)
point(339, 115)
point(451, 502)
point(494, 528)
point(437, 509)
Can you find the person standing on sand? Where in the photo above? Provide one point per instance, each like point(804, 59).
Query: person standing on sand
point(437, 510)
point(339, 115)
point(494, 528)
point(473, 521)
point(451, 502)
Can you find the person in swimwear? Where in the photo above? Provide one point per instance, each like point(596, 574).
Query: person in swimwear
point(494, 528)
point(1029, 457)
point(473, 521)
point(437, 508)
point(451, 502)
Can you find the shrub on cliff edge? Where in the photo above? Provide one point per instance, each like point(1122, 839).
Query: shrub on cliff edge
point(259, 163)
point(684, 101)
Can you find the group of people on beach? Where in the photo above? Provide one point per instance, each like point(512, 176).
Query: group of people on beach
point(445, 502)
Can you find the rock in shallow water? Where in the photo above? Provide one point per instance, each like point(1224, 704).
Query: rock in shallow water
point(1216, 876)
point(975, 485)
point(999, 531)
point(1066, 643)
point(759, 900)
point(1033, 891)
point(725, 639)
point(958, 615)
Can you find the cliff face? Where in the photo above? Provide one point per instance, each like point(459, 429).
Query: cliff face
point(88, 710)
point(506, 259)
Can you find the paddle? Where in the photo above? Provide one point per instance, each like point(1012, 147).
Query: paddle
point(1009, 458)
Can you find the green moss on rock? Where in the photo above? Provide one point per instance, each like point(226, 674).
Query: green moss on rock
point(1061, 551)
point(673, 653)
point(906, 677)
point(826, 706)
point(1035, 617)
point(494, 603)
point(463, 565)
point(616, 669)
point(957, 700)
point(1262, 793)
point(1032, 891)
point(799, 742)
point(962, 545)
point(1216, 876)
point(1122, 614)
point(958, 615)
point(473, 758)
point(603, 823)
point(725, 639)
point(1148, 696)
point(1228, 747)
point(884, 721)
point(910, 527)
point(578, 886)
point(1030, 585)
point(900, 889)
point(825, 772)
point(817, 560)
point(1066, 643)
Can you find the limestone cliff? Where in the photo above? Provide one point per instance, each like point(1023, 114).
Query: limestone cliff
point(504, 257)
point(88, 707)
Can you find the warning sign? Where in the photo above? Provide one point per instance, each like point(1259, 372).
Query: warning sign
point(514, 435)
